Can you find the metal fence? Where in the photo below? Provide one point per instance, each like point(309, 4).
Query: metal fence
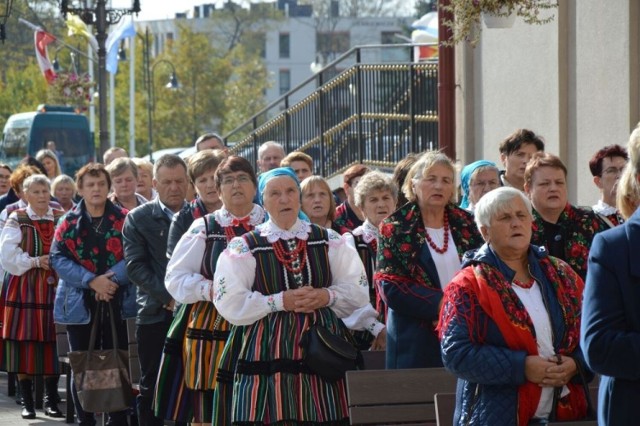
point(361, 108)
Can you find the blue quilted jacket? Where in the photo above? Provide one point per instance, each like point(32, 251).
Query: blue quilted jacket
point(489, 374)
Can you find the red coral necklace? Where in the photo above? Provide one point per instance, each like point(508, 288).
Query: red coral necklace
point(293, 260)
point(433, 245)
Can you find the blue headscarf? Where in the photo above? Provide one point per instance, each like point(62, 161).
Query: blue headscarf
point(465, 178)
point(265, 177)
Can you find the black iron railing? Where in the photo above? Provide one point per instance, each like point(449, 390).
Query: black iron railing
point(373, 105)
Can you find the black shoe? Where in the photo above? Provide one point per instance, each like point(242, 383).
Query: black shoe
point(28, 408)
point(50, 397)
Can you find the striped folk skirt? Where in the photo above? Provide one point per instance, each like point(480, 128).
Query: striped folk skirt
point(272, 386)
point(28, 330)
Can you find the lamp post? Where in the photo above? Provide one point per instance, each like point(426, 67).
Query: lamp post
point(148, 78)
point(5, 11)
point(101, 17)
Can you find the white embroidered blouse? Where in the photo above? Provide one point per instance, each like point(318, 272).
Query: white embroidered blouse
point(236, 269)
point(183, 279)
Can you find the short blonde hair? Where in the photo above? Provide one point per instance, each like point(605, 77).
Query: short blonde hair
point(421, 168)
point(628, 190)
point(374, 181)
point(143, 164)
point(61, 180)
point(120, 166)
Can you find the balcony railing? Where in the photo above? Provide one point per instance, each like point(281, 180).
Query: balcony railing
point(372, 105)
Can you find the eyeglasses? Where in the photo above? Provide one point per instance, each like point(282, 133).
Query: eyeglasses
point(242, 179)
point(3, 177)
point(493, 184)
point(613, 171)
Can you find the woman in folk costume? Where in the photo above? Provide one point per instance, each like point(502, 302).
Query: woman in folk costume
point(376, 196)
point(420, 250)
point(28, 330)
point(510, 325)
point(277, 281)
point(198, 333)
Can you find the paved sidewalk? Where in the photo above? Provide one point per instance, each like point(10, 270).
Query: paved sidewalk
point(10, 411)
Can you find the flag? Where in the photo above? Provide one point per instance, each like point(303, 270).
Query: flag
point(78, 27)
point(124, 29)
point(42, 40)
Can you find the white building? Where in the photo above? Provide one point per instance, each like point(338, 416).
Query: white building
point(293, 44)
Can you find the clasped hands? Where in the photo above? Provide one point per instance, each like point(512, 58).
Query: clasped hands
point(549, 372)
point(305, 299)
point(103, 286)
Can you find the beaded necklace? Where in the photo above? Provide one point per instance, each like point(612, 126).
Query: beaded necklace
point(525, 285)
point(433, 245)
point(293, 259)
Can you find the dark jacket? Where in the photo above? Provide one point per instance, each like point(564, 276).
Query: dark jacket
point(182, 221)
point(610, 331)
point(489, 373)
point(146, 230)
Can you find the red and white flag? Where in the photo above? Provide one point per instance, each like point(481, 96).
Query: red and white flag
point(42, 39)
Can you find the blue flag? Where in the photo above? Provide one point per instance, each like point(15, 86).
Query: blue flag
point(124, 29)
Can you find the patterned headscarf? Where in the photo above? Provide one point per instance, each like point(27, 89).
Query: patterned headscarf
point(465, 179)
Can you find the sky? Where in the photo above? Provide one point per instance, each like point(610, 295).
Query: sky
point(166, 9)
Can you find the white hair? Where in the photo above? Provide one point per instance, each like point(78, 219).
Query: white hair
point(496, 201)
point(268, 145)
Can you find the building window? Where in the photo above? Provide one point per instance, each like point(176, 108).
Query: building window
point(285, 81)
point(285, 45)
point(331, 44)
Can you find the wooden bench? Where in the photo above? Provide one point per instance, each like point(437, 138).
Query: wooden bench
point(62, 345)
point(374, 360)
point(445, 404)
point(379, 397)
point(134, 361)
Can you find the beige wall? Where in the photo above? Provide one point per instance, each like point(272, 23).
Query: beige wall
point(574, 81)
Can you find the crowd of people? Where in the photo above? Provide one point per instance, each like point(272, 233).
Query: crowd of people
point(229, 271)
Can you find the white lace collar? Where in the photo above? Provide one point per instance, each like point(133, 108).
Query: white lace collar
point(604, 209)
point(273, 233)
point(34, 216)
point(368, 231)
point(225, 218)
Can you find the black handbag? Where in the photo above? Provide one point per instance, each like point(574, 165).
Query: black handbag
point(102, 376)
point(328, 355)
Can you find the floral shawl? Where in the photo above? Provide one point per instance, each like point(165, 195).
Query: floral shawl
point(71, 238)
point(488, 290)
point(402, 238)
point(580, 227)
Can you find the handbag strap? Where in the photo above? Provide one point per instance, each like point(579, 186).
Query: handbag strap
point(94, 327)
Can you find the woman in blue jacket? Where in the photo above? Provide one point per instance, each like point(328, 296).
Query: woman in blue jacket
point(611, 311)
point(87, 254)
point(510, 323)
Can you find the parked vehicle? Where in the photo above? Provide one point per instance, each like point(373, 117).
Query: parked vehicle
point(28, 132)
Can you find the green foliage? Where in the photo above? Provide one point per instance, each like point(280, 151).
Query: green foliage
point(467, 13)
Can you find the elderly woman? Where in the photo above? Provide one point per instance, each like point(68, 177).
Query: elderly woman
point(277, 281)
point(564, 230)
point(611, 313)
point(516, 311)
point(64, 189)
point(420, 250)
point(317, 201)
point(49, 160)
point(376, 196)
point(88, 256)
point(145, 178)
point(201, 168)
point(189, 273)
point(124, 181)
point(29, 333)
point(476, 179)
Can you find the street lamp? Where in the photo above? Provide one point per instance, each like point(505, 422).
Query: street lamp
point(148, 77)
point(102, 18)
point(5, 11)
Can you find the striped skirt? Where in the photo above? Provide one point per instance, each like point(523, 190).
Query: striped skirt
point(223, 394)
point(271, 385)
point(28, 330)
